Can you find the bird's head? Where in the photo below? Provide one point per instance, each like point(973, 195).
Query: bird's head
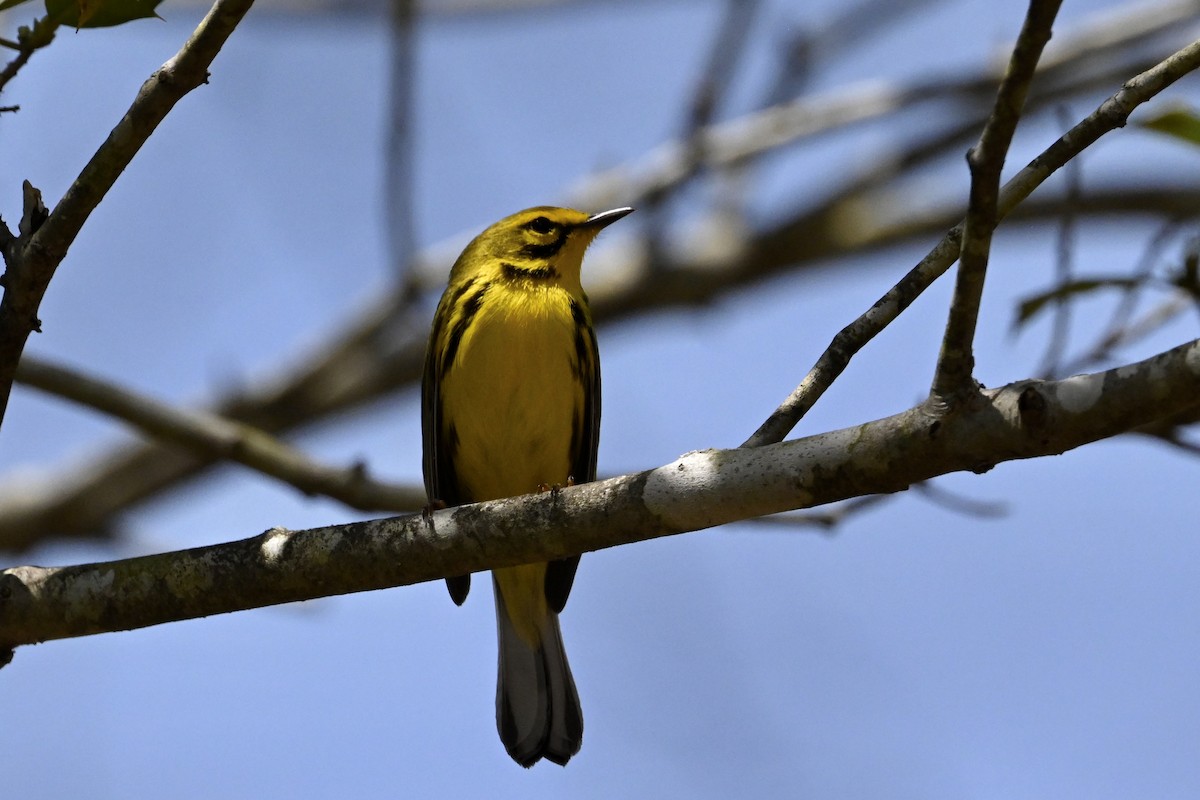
point(539, 244)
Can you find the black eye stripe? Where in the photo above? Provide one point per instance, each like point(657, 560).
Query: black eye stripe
point(513, 272)
point(548, 250)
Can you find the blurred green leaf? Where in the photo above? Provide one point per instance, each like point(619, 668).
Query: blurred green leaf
point(99, 13)
point(1030, 306)
point(12, 4)
point(1179, 121)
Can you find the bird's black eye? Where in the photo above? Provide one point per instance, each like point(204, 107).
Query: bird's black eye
point(540, 225)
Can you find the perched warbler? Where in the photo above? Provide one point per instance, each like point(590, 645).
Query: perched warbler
point(511, 404)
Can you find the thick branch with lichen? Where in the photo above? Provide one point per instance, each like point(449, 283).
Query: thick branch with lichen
point(699, 490)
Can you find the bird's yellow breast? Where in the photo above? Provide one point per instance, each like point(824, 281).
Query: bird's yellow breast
point(512, 396)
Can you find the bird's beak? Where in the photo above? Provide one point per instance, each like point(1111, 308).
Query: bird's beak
point(606, 218)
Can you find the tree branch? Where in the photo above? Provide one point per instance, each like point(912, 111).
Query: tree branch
point(379, 351)
point(32, 259)
point(1111, 114)
point(399, 202)
point(1060, 331)
point(214, 437)
point(29, 40)
point(732, 144)
point(83, 500)
point(953, 378)
point(699, 490)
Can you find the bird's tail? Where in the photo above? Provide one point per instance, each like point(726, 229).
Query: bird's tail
point(537, 707)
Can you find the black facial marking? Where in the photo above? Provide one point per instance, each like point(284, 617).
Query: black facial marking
point(548, 250)
point(513, 272)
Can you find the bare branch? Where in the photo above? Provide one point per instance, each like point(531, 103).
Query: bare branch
point(29, 41)
point(32, 260)
point(1111, 114)
point(1068, 68)
point(959, 504)
point(222, 439)
point(83, 503)
point(728, 46)
point(827, 519)
point(699, 490)
point(953, 379)
point(1175, 440)
point(1056, 346)
point(398, 189)
point(849, 27)
point(1137, 330)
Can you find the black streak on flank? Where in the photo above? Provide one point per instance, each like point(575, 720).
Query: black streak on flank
point(469, 310)
point(548, 250)
point(577, 314)
point(583, 347)
point(513, 272)
point(459, 292)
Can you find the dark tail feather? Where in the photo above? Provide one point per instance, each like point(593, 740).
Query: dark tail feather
point(537, 707)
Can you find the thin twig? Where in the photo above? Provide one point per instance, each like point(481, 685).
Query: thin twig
point(1178, 442)
point(826, 520)
point(727, 48)
point(967, 506)
point(29, 41)
point(31, 261)
point(953, 378)
point(222, 439)
point(1137, 330)
point(1110, 115)
point(1064, 263)
point(1187, 278)
point(731, 144)
point(1145, 268)
point(398, 191)
point(849, 28)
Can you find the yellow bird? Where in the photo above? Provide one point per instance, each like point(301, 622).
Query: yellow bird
point(511, 404)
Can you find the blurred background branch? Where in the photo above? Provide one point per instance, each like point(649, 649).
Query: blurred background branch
point(379, 350)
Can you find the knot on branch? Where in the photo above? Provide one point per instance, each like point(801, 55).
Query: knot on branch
point(34, 213)
point(965, 397)
point(1031, 406)
point(12, 589)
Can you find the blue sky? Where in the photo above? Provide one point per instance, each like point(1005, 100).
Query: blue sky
point(917, 653)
